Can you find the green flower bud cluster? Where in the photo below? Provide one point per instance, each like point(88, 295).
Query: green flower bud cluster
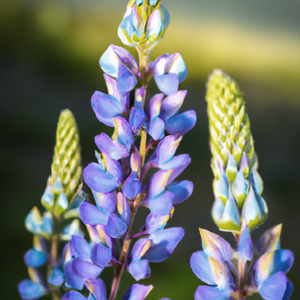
point(237, 184)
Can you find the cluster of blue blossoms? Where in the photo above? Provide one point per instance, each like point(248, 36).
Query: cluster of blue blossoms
point(146, 137)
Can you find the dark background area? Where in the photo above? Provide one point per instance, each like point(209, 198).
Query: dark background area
point(49, 61)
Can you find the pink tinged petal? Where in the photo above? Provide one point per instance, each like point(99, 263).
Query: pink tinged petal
point(106, 201)
point(113, 167)
point(208, 292)
point(161, 204)
point(101, 255)
point(167, 83)
point(124, 208)
point(126, 58)
point(113, 148)
point(97, 288)
point(105, 105)
point(56, 278)
point(73, 295)
point(215, 246)
point(154, 106)
point(254, 211)
point(140, 248)
point(137, 292)
point(158, 182)
point(182, 123)
point(154, 26)
point(80, 247)
point(200, 265)
point(166, 149)
point(73, 280)
point(245, 248)
point(86, 270)
point(139, 269)
point(132, 186)
point(30, 290)
point(274, 287)
point(125, 137)
point(156, 129)
point(156, 222)
point(164, 243)
point(222, 274)
point(112, 86)
point(181, 190)
point(270, 240)
point(35, 258)
point(170, 106)
point(116, 227)
point(272, 262)
point(126, 79)
point(136, 119)
point(97, 180)
point(178, 67)
point(92, 215)
point(135, 160)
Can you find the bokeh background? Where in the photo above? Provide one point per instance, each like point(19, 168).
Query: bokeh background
point(49, 61)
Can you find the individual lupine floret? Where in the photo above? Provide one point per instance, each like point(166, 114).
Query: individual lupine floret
point(61, 200)
point(237, 185)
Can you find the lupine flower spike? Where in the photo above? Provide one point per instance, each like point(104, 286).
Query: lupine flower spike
point(146, 136)
point(233, 274)
point(59, 222)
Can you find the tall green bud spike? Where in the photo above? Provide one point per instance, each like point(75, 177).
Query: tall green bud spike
point(66, 168)
point(237, 184)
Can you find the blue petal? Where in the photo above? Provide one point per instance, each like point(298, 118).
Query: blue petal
point(97, 180)
point(288, 291)
point(92, 215)
point(116, 227)
point(200, 265)
point(164, 243)
point(170, 105)
point(124, 208)
point(86, 270)
point(80, 247)
point(181, 190)
point(126, 79)
point(178, 67)
point(34, 258)
point(208, 292)
point(30, 290)
point(106, 201)
point(73, 295)
point(73, 280)
point(137, 292)
point(114, 148)
point(136, 119)
point(182, 123)
point(56, 278)
point(166, 149)
point(139, 269)
point(105, 105)
point(161, 204)
point(156, 222)
point(101, 255)
point(167, 83)
point(156, 128)
point(274, 287)
point(113, 167)
point(132, 186)
point(123, 129)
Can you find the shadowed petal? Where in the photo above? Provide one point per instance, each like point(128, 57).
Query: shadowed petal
point(137, 292)
point(139, 269)
point(80, 247)
point(86, 270)
point(167, 83)
point(116, 227)
point(73, 295)
point(181, 190)
point(101, 255)
point(182, 123)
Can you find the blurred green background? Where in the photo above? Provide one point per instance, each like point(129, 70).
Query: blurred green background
point(49, 61)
